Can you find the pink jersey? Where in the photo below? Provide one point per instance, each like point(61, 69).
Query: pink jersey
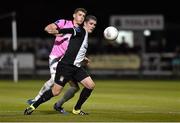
point(61, 42)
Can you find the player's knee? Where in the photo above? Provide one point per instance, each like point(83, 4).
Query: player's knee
point(56, 89)
point(52, 78)
point(56, 92)
point(50, 82)
point(92, 86)
point(76, 89)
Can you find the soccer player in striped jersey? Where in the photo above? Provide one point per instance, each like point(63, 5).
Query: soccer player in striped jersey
point(60, 46)
point(69, 68)
point(89, 25)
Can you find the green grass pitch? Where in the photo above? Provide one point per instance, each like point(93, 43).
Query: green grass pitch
point(112, 100)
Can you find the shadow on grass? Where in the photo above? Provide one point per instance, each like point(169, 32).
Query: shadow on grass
point(48, 112)
point(54, 112)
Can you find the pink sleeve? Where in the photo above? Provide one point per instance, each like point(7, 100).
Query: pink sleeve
point(60, 23)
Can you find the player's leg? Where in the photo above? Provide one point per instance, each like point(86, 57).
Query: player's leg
point(48, 84)
point(89, 85)
point(44, 88)
point(56, 90)
point(67, 96)
point(61, 78)
point(69, 93)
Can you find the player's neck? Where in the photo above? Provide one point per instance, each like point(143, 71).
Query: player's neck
point(75, 23)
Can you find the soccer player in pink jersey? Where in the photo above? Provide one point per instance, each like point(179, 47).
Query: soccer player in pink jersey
point(58, 50)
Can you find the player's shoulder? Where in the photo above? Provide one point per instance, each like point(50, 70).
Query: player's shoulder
point(79, 29)
point(64, 22)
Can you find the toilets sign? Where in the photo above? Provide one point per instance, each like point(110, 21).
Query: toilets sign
point(138, 22)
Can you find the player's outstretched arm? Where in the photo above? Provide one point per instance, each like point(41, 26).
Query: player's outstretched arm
point(74, 31)
point(51, 29)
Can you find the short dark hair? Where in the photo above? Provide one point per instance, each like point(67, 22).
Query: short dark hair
point(90, 17)
point(80, 9)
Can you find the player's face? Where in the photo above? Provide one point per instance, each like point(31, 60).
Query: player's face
point(90, 25)
point(79, 17)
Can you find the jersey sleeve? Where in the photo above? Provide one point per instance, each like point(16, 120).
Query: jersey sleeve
point(76, 31)
point(60, 23)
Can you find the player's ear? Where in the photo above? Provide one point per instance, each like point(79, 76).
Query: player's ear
point(85, 23)
point(74, 15)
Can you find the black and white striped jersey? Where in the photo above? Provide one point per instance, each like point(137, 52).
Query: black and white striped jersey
point(77, 46)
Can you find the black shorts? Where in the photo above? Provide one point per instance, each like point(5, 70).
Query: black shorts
point(66, 72)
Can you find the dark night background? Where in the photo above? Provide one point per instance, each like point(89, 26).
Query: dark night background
point(33, 16)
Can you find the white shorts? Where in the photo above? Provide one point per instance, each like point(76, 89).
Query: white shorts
point(53, 61)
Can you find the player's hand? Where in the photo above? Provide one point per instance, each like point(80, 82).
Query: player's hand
point(53, 31)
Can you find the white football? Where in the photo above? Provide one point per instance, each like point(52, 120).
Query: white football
point(110, 33)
